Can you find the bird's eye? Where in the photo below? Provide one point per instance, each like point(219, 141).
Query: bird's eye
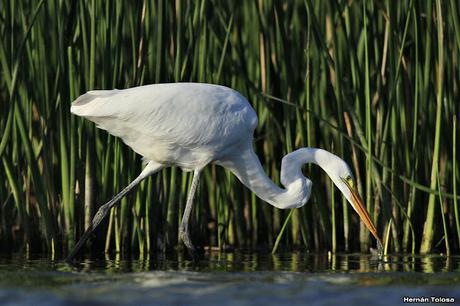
point(349, 181)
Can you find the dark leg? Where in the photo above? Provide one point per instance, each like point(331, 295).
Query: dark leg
point(183, 228)
point(150, 169)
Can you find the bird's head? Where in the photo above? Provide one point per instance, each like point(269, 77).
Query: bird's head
point(337, 169)
point(343, 178)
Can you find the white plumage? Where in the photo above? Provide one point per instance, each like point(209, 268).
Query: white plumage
point(186, 124)
point(191, 125)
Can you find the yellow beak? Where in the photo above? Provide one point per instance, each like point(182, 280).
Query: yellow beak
point(359, 207)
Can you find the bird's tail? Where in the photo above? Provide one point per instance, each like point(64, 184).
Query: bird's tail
point(89, 104)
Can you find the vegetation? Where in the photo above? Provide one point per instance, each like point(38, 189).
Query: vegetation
point(375, 82)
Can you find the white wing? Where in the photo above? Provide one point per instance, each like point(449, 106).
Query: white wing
point(178, 123)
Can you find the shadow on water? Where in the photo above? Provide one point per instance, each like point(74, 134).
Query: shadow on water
point(240, 278)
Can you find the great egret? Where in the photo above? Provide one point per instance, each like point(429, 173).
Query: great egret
point(191, 125)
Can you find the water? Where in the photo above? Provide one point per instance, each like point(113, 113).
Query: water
point(230, 279)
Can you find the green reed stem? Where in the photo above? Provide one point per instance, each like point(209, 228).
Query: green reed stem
point(281, 232)
point(427, 237)
point(444, 226)
point(454, 176)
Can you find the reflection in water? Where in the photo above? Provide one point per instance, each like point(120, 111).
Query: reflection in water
point(246, 262)
point(222, 278)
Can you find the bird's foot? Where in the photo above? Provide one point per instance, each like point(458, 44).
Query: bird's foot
point(193, 254)
point(184, 236)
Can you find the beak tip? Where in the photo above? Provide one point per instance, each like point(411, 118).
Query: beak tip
point(364, 215)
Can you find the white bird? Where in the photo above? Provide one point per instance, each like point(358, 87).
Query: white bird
point(191, 125)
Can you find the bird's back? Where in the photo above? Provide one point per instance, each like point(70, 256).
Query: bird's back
point(188, 124)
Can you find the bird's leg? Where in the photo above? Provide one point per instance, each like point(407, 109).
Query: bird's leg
point(183, 228)
point(150, 169)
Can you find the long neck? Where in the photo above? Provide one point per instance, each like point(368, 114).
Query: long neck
point(246, 166)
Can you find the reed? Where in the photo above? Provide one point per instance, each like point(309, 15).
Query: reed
point(374, 82)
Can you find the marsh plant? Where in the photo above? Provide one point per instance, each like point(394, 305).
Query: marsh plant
point(375, 82)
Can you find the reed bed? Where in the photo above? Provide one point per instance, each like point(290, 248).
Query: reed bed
point(374, 82)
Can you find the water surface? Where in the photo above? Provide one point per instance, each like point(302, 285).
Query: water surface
point(238, 278)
